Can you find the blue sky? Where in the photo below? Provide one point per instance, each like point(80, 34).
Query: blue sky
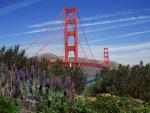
point(121, 25)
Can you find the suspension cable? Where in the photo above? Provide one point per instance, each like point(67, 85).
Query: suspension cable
point(48, 41)
point(84, 51)
point(44, 33)
point(85, 37)
point(81, 45)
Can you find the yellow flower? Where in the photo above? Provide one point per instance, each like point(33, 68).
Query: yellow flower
point(82, 98)
point(50, 98)
point(92, 98)
point(106, 94)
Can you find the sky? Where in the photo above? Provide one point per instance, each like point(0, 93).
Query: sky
point(123, 26)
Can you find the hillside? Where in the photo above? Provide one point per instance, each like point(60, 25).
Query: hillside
point(88, 70)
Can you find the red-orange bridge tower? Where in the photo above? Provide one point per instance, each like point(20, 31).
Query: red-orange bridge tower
point(72, 21)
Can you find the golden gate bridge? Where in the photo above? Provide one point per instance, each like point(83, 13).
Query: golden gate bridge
point(71, 19)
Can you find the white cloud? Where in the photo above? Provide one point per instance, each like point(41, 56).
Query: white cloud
point(94, 23)
point(87, 25)
point(116, 21)
point(42, 30)
point(46, 23)
point(120, 36)
point(120, 13)
point(131, 47)
point(62, 21)
point(116, 26)
point(97, 23)
point(13, 7)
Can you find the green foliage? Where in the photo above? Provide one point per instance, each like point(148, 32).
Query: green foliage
point(9, 105)
point(52, 102)
point(102, 104)
point(90, 90)
point(77, 75)
point(98, 87)
point(122, 81)
point(43, 64)
point(13, 57)
point(57, 69)
point(113, 104)
point(107, 104)
point(129, 81)
point(79, 79)
point(57, 103)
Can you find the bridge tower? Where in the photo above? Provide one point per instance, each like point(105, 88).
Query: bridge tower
point(106, 57)
point(68, 22)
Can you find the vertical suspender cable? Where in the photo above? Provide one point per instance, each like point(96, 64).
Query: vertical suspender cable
point(85, 37)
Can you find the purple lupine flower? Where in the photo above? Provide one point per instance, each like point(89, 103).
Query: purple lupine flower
point(47, 83)
point(42, 78)
point(16, 83)
point(58, 84)
point(67, 82)
point(32, 72)
point(26, 75)
point(16, 73)
point(21, 76)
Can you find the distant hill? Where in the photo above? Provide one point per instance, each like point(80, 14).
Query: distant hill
point(88, 70)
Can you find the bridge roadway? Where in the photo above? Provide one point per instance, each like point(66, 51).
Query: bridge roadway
point(81, 64)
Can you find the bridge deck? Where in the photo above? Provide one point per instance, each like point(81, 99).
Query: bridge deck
point(81, 64)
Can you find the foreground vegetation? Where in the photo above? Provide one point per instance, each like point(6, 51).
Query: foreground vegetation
point(131, 81)
point(27, 83)
point(102, 103)
point(9, 105)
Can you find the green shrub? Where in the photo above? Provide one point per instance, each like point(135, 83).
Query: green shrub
point(113, 104)
point(106, 103)
point(9, 105)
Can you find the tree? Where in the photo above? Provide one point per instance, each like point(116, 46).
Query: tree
point(13, 57)
point(129, 81)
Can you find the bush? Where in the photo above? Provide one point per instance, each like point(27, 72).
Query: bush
point(114, 104)
point(9, 105)
point(102, 103)
point(128, 81)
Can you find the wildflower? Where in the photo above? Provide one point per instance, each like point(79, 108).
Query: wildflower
point(42, 78)
point(106, 94)
point(16, 83)
point(47, 83)
point(21, 75)
point(26, 75)
point(32, 72)
point(67, 83)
